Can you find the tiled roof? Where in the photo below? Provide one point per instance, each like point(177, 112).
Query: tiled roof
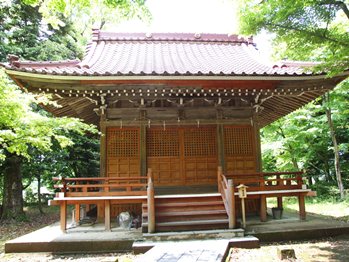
point(163, 54)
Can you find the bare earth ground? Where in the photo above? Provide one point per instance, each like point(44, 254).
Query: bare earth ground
point(330, 249)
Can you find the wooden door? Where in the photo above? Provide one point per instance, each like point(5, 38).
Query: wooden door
point(123, 158)
point(239, 149)
point(182, 155)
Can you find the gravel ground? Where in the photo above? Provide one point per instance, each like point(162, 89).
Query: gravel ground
point(330, 249)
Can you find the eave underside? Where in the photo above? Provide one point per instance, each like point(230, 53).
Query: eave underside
point(179, 101)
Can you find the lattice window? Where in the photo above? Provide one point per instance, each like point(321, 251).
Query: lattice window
point(162, 142)
point(238, 141)
point(122, 142)
point(200, 142)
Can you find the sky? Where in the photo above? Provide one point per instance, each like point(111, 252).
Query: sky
point(192, 16)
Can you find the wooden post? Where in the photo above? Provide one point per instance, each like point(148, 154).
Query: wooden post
point(231, 204)
point(63, 213)
point(143, 149)
point(107, 215)
point(263, 211)
point(77, 213)
point(220, 146)
point(219, 179)
point(301, 202)
point(279, 199)
point(103, 148)
point(151, 204)
point(243, 212)
point(257, 143)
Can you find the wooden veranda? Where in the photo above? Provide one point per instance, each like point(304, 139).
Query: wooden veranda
point(109, 191)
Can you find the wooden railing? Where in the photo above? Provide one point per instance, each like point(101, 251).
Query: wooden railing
point(268, 181)
point(102, 186)
point(226, 189)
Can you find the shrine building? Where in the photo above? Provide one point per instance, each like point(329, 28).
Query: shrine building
point(180, 117)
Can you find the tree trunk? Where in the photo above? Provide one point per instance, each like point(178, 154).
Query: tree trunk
point(12, 192)
point(38, 177)
point(336, 152)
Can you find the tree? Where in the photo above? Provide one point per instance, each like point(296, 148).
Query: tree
point(21, 129)
point(315, 30)
point(91, 12)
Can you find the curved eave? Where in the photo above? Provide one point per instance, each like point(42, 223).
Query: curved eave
point(73, 78)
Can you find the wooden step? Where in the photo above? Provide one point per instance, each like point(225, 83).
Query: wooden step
point(188, 213)
point(184, 204)
point(188, 225)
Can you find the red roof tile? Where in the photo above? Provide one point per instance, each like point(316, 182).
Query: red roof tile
point(163, 54)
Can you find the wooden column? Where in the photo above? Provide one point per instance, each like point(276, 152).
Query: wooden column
point(77, 213)
point(279, 201)
point(257, 137)
point(63, 214)
point(143, 150)
point(107, 215)
point(150, 203)
point(263, 211)
point(220, 146)
point(102, 160)
point(231, 204)
point(103, 146)
point(301, 202)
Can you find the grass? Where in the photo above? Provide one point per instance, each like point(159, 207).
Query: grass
point(329, 207)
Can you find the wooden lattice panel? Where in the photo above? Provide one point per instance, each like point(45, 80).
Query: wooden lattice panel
point(238, 141)
point(162, 142)
point(200, 142)
point(122, 142)
point(123, 152)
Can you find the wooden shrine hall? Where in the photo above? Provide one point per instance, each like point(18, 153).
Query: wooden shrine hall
point(180, 116)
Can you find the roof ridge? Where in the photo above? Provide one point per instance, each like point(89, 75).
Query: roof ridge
point(98, 35)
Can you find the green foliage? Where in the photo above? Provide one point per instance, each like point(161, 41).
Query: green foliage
point(22, 127)
point(302, 140)
point(303, 29)
point(55, 12)
point(23, 33)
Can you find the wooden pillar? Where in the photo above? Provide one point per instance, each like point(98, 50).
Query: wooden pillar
point(63, 214)
point(143, 150)
point(102, 160)
point(107, 215)
point(231, 204)
point(263, 211)
point(279, 201)
point(103, 146)
point(220, 146)
point(150, 203)
point(77, 213)
point(301, 202)
point(257, 138)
